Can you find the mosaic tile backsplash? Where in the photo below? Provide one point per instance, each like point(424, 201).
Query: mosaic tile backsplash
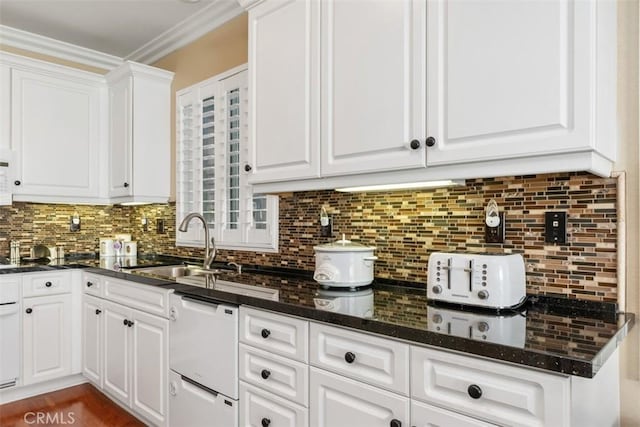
point(405, 227)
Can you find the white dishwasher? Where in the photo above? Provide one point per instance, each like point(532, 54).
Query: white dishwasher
point(203, 358)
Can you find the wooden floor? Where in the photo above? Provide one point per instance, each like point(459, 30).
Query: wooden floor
point(82, 406)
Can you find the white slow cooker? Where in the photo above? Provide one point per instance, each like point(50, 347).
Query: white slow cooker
point(344, 263)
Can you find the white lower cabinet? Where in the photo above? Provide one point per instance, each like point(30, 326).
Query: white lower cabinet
point(117, 349)
point(46, 337)
point(336, 401)
point(260, 408)
point(126, 351)
point(135, 360)
point(195, 406)
point(92, 339)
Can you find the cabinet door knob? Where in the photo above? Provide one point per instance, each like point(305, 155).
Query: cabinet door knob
point(431, 141)
point(265, 422)
point(125, 322)
point(129, 323)
point(247, 168)
point(98, 311)
point(48, 284)
point(349, 357)
point(474, 391)
point(395, 423)
point(17, 182)
point(29, 311)
point(265, 374)
point(89, 284)
point(265, 333)
point(126, 184)
point(414, 144)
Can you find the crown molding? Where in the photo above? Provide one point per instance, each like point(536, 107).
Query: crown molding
point(192, 28)
point(40, 44)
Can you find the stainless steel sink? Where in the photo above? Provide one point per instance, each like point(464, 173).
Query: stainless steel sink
point(174, 271)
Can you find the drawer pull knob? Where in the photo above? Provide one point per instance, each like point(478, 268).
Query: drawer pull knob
point(125, 322)
point(415, 144)
point(431, 141)
point(395, 423)
point(98, 311)
point(265, 374)
point(265, 333)
point(129, 323)
point(474, 391)
point(89, 284)
point(265, 422)
point(29, 311)
point(48, 284)
point(349, 357)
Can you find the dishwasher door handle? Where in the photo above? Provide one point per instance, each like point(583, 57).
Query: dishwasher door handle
point(199, 301)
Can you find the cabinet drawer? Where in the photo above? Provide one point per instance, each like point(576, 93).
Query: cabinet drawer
point(92, 284)
point(339, 401)
point(375, 360)
point(48, 283)
point(258, 407)
point(493, 391)
point(283, 335)
point(192, 405)
point(276, 374)
point(151, 299)
point(423, 415)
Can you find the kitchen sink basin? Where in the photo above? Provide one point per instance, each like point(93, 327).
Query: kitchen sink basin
point(174, 271)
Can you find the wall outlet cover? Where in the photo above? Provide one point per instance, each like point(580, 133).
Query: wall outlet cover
point(160, 226)
point(495, 234)
point(74, 223)
point(555, 227)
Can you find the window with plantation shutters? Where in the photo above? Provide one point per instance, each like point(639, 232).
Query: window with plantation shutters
point(212, 152)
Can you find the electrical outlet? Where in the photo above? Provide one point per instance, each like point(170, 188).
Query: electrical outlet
point(326, 230)
point(74, 223)
point(160, 226)
point(555, 227)
point(494, 231)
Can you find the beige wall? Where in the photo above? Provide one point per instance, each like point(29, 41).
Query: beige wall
point(629, 161)
point(213, 53)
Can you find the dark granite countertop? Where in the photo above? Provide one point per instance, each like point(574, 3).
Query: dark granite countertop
point(555, 334)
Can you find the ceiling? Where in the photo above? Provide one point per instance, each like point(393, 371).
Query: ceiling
point(116, 27)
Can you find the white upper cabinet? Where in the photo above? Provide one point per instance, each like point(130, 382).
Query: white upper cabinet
point(139, 134)
point(55, 134)
point(5, 107)
point(423, 90)
point(518, 78)
point(284, 83)
point(373, 95)
point(81, 137)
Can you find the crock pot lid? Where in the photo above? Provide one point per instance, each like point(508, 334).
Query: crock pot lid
point(344, 245)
